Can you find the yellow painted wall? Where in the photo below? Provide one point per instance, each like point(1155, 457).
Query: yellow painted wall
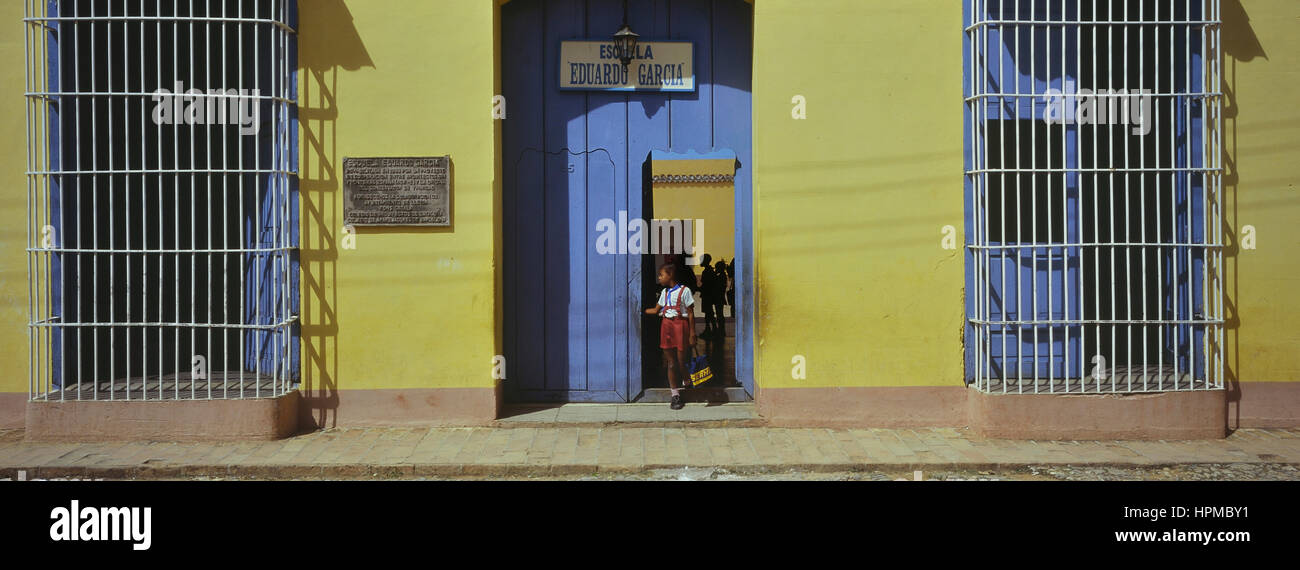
point(850, 202)
point(13, 203)
point(409, 307)
point(848, 216)
point(1262, 188)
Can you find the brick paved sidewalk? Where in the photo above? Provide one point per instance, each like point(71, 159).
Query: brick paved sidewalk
point(562, 451)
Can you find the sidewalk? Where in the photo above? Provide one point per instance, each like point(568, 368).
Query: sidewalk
point(542, 449)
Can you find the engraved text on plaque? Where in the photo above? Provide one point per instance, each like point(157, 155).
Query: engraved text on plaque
point(397, 191)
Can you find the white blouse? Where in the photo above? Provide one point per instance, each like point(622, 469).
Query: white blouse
point(669, 299)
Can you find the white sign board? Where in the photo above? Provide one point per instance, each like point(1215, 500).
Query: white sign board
point(657, 66)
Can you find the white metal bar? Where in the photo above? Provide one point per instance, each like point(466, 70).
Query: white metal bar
point(1033, 189)
point(33, 341)
point(1110, 186)
point(158, 181)
point(207, 52)
point(1020, 237)
point(193, 206)
point(225, 227)
point(80, 196)
point(1128, 217)
point(1065, 209)
point(257, 222)
point(112, 234)
point(176, 216)
point(1187, 146)
point(126, 202)
point(243, 292)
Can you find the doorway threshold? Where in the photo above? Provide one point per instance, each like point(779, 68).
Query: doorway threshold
point(630, 415)
point(710, 395)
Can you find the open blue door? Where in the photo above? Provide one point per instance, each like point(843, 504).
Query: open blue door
point(574, 158)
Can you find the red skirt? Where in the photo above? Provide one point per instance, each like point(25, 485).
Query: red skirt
point(674, 333)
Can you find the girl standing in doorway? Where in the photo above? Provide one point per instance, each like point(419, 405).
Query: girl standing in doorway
point(676, 309)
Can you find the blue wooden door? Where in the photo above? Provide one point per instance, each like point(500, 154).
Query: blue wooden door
point(573, 158)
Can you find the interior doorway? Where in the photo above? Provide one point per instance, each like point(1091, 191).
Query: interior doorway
point(691, 205)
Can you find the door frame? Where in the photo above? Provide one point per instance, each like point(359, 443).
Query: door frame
point(732, 115)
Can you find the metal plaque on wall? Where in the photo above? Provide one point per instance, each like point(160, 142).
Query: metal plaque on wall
point(413, 191)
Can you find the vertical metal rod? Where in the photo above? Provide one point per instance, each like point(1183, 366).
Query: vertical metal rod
point(158, 181)
point(126, 198)
point(281, 139)
point(1096, 206)
point(1175, 330)
point(1047, 182)
point(1081, 180)
point(193, 175)
point(1020, 238)
point(46, 152)
point(1126, 135)
point(1113, 362)
point(984, 185)
point(76, 38)
point(276, 276)
point(1065, 201)
point(1160, 227)
point(1202, 198)
point(225, 219)
point(94, 220)
point(33, 332)
point(1142, 192)
point(979, 40)
point(218, 103)
point(970, 177)
point(1002, 206)
point(39, 206)
point(1218, 186)
point(1187, 130)
point(1033, 190)
point(46, 160)
point(176, 217)
point(243, 293)
point(112, 235)
point(257, 221)
point(144, 218)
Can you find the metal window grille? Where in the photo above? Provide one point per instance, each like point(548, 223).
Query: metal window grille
point(1094, 251)
point(161, 229)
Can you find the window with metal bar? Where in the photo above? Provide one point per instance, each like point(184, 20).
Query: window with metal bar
point(162, 204)
point(1093, 196)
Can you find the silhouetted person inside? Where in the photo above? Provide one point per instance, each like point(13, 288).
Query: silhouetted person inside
point(682, 273)
point(712, 288)
point(718, 297)
point(731, 285)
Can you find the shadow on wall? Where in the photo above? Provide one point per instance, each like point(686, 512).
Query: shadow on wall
point(1240, 45)
point(328, 43)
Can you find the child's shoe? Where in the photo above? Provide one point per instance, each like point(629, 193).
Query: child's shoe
point(677, 403)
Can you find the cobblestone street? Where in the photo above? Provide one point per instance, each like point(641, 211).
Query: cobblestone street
point(669, 453)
